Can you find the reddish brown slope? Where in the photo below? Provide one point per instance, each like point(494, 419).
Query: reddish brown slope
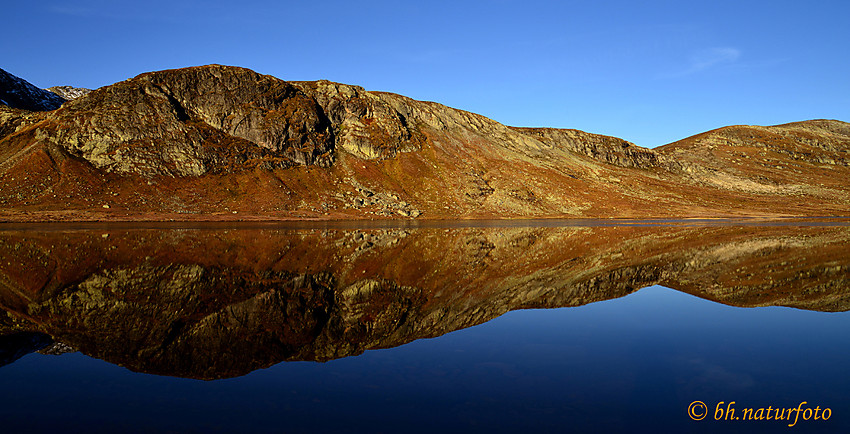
point(802, 164)
point(219, 142)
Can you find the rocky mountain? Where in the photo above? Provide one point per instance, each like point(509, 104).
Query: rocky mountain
point(69, 92)
point(219, 302)
point(18, 93)
point(219, 142)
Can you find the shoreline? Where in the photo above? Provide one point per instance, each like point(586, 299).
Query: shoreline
point(425, 223)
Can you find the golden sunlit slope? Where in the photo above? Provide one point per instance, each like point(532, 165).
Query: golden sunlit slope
point(810, 158)
point(219, 142)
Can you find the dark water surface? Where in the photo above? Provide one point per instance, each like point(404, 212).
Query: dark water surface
point(503, 328)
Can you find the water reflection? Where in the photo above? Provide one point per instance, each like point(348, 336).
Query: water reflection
point(218, 303)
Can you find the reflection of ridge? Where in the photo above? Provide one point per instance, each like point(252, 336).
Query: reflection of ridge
point(16, 345)
point(219, 303)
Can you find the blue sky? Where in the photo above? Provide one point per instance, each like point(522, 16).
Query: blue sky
point(651, 72)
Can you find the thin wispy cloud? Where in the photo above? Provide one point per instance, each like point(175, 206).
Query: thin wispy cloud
point(704, 60)
point(713, 57)
point(427, 56)
point(107, 11)
point(73, 11)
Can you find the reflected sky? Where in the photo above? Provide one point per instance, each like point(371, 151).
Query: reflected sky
point(631, 363)
point(498, 328)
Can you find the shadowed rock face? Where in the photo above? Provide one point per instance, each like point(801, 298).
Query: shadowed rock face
point(217, 303)
point(16, 345)
point(18, 93)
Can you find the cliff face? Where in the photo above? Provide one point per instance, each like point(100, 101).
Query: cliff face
point(217, 303)
point(608, 149)
point(203, 142)
point(190, 122)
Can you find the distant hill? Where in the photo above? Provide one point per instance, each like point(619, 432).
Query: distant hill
point(18, 93)
point(221, 142)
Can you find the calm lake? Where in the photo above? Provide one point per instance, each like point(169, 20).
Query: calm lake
point(532, 326)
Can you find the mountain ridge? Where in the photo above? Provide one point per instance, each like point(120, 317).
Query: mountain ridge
point(203, 142)
point(18, 93)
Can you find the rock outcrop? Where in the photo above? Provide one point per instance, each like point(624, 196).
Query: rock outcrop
point(611, 150)
point(191, 122)
point(368, 125)
point(69, 92)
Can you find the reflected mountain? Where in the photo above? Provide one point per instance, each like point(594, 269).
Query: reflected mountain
point(221, 302)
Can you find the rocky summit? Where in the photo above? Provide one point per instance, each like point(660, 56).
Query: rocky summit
point(222, 143)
